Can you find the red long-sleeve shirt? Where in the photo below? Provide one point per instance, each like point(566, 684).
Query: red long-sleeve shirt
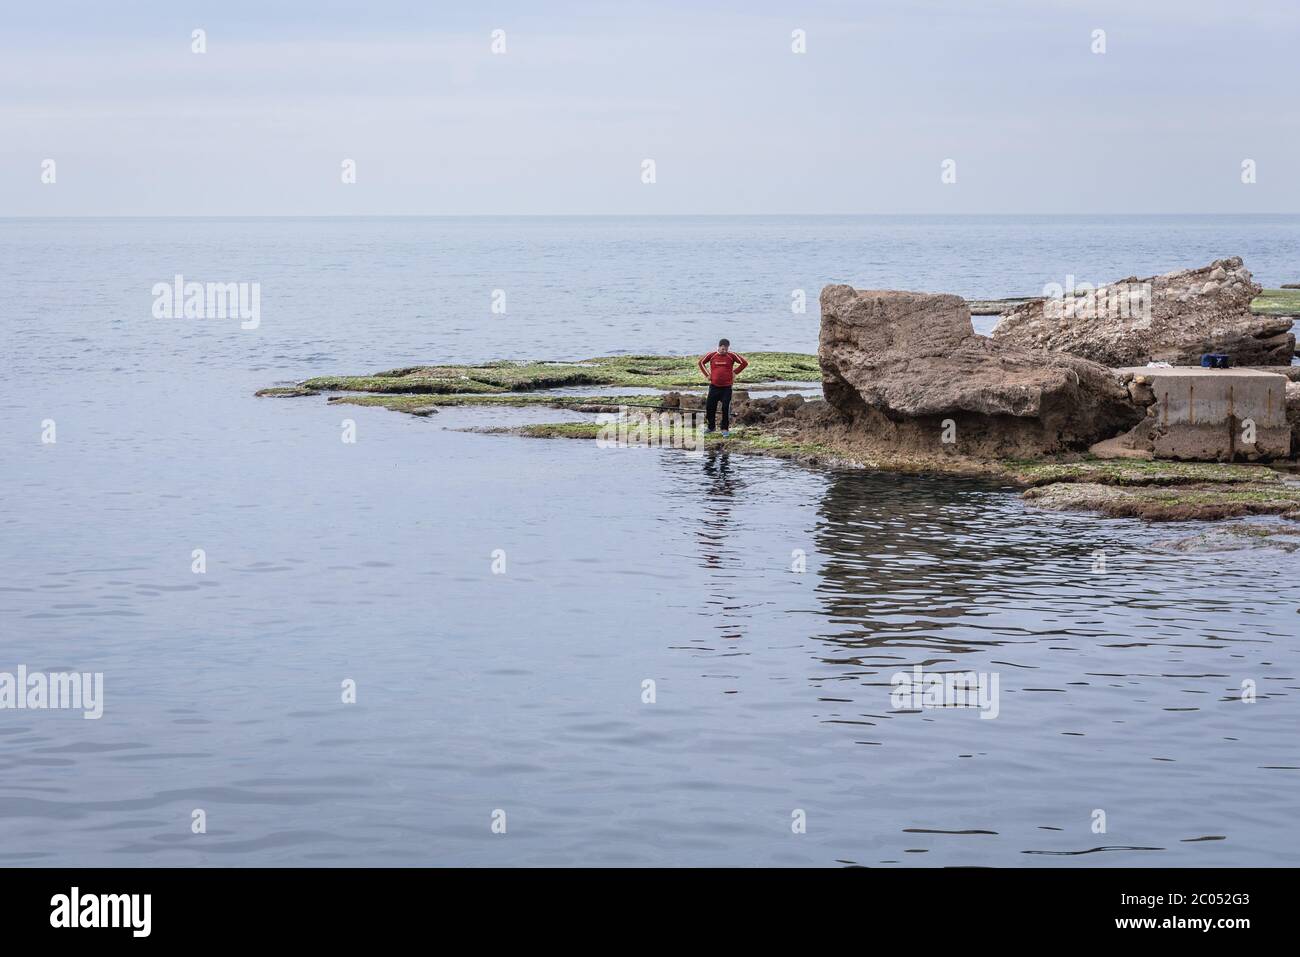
point(723, 367)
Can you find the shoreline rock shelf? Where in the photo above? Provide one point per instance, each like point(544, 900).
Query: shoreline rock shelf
point(1154, 491)
point(909, 387)
point(634, 371)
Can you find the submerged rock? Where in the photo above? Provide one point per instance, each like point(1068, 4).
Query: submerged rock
point(1170, 503)
point(1235, 537)
point(906, 370)
point(1172, 318)
point(286, 391)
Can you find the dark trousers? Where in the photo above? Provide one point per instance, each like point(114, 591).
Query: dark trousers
point(718, 393)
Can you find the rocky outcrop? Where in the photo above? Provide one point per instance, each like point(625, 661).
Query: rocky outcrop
point(906, 370)
point(744, 410)
point(1170, 318)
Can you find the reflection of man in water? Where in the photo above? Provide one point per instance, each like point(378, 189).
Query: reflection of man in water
point(717, 464)
point(717, 514)
point(716, 534)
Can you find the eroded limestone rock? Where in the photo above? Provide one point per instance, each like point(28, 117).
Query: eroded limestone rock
point(1175, 318)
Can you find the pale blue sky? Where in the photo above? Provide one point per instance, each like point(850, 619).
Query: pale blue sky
point(736, 122)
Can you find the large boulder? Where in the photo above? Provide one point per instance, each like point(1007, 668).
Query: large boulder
point(906, 370)
point(1170, 318)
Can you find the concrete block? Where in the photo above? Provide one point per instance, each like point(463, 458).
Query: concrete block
point(1213, 414)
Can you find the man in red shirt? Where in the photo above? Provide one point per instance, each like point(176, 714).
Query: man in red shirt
point(720, 368)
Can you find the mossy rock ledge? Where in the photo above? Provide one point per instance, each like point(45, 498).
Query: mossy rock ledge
point(806, 432)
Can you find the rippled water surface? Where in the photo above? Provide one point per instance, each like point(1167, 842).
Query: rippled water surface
point(1120, 690)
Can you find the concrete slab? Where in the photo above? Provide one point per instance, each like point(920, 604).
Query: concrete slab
point(1213, 414)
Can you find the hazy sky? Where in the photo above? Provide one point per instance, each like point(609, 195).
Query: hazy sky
point(261, 123)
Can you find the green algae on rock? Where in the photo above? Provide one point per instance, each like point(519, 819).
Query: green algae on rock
point(415, 403)
point(1136, 472)
point(641, 371)
point(285, 391)
point(1170, 503)
point(743, 439)
point(1276, 302)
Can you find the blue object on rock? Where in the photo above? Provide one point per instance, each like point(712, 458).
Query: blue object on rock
point(1215, 360)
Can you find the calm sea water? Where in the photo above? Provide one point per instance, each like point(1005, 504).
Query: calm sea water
point(523, 692)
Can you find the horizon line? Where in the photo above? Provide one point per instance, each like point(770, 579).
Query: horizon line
point(961, 215)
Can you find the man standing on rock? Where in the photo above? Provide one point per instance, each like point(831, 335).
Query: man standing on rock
point(720, 368)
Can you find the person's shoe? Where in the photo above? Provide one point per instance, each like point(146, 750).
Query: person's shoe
point(726, 434)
